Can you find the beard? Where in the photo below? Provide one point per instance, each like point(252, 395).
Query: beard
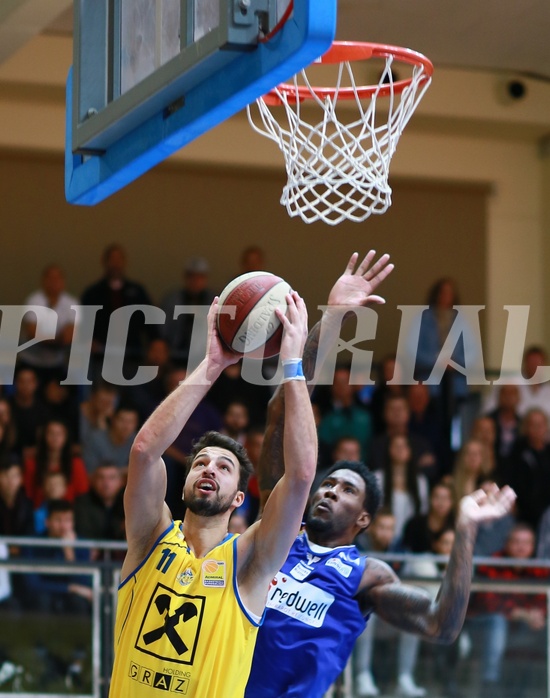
point(314, 523)
point(331, 525)
point(202, 506)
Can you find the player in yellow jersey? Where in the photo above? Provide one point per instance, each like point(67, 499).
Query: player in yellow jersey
point(192, 596)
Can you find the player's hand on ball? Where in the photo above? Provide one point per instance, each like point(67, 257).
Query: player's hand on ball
point(217, 352)
point(294, 327)
point(356, 286)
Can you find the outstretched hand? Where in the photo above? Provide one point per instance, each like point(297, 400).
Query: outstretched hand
point(356, 286)
point(487, 505)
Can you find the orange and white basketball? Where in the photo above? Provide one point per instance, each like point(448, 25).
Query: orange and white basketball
point(247, 322)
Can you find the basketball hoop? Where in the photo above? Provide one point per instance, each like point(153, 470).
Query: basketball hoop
point(338, 165)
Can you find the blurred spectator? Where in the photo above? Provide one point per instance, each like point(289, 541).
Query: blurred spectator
point(346, 448)
point(54, 454)
point(508, 621)
point(99, 514)
point(49, 358)
point(97, 411)
point(543, 536)
point(7, 428)
point(113, 444)
point(235, 421)
point(379, 537)
point(484, 430)
point(538, 394)
point(238, 522)
point(113, 291)
point(252, 259)
point(16, 509)
point(528, 471)
point(423, 529)
point(194, 291)
point(253, 444)
point(426, 422)
point(345, 416)
point(16, 518)
point(492, 535)
point(397, 418)
point(205, 418)
point(424, 567)
point(231, 386)
point(436, 324)
point(472, 466)
point(147, 396)
point(446, 657)
point(55, 487)
point(387, 370)
point(247, 513)
point(68, 593)
point(532, 396)
point(29, 412)
point(377, 630)
point(507, 420)
point(405, 489)
point(62, 404)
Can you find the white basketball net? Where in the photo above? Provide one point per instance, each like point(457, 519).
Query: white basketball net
point(339, 171)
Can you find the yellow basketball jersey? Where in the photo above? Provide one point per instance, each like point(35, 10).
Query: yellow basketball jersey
point(181, 628)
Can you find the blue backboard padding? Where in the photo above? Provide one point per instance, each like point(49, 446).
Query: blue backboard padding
point(91, 179)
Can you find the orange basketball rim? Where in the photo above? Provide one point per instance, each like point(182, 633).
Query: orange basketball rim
point(338, 164)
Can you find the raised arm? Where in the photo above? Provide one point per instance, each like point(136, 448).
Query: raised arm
point(263, 548)
point(354, 288)
point(145, 511)
point(411, 608)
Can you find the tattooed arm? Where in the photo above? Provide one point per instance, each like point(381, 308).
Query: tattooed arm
point(413, 609)
point(354, 288)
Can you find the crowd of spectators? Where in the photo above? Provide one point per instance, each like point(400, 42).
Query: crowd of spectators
point(64, 449)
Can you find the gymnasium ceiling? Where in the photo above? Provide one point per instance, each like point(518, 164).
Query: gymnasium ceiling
point(505, 35)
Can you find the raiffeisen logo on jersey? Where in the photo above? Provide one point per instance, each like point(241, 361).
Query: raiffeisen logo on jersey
point(299, 600)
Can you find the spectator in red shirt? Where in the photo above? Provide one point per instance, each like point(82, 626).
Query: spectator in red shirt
point(54, 455)
point(504, 621)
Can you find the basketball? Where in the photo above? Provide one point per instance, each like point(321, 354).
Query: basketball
point(247, 322)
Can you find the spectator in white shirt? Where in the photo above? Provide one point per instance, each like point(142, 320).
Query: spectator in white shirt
point(49, 357)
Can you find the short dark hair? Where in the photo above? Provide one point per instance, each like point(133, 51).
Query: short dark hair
point(384, 510)
point(102, 384)
point(436, 287)
point(11, 460)
point(535, 349)
point(214, 438)
point(55, 506)
point(373, 493)
point(112, 247)
point(518, 527)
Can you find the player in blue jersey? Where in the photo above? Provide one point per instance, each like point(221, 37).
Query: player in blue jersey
point(319, 601)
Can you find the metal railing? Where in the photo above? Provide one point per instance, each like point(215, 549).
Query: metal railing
point(20, 626)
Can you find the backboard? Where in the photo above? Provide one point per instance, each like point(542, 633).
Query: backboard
point(150, 76)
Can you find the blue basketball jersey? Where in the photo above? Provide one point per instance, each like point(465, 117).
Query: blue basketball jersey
point(312, 621)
